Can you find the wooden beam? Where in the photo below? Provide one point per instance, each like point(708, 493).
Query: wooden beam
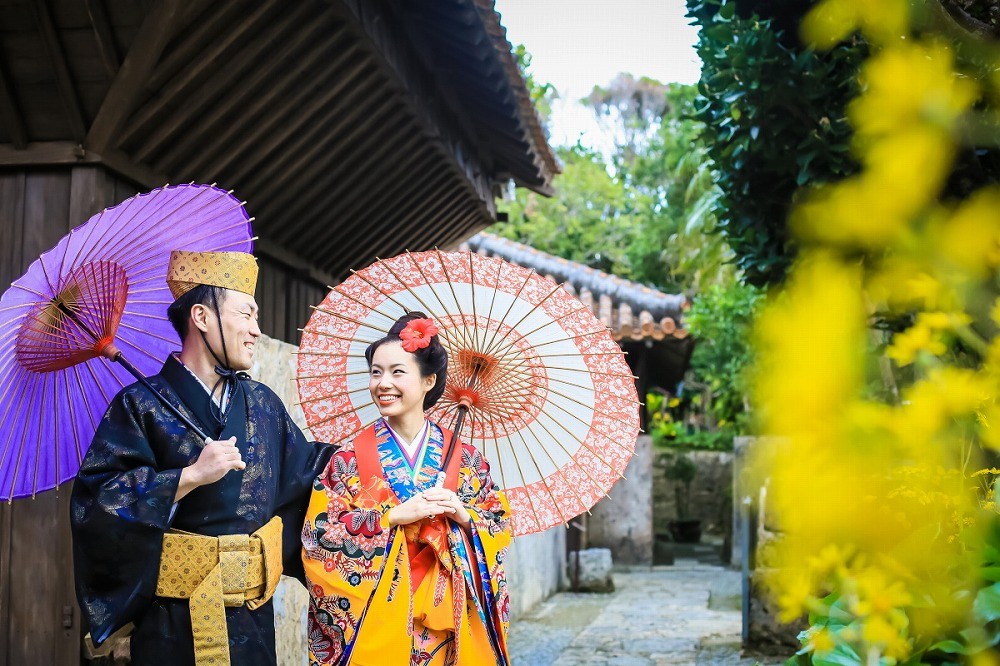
point(138, 173)
point(406, 194)
point(325, 142)
point(200, 33)
point(335, 166)
point(265, 138)
point(9, 112)
point(46, 152)
point(105, 36)
point(147, 46)
point(227, 121)
point(175, 93)
point(220, 83)
point(393, 174)
point(401, 66)
point(338, 179)
point(267, 247)
point(64, 80)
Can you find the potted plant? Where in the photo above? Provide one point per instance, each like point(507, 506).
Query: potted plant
point(682, 471)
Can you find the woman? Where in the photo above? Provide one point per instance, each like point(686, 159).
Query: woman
point(401, 569)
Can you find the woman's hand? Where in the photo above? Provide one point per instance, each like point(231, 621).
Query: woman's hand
point(417, 508)
point(450, 502)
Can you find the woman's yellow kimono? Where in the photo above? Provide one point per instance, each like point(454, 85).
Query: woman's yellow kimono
point(426, 593)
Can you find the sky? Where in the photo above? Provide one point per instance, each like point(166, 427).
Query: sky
point(577, 44)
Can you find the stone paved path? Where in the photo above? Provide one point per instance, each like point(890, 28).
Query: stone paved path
point(687, 613)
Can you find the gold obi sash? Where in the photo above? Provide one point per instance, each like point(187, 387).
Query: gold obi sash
point(214, 572)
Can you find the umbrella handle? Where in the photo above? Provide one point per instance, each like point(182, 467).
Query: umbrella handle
point(166, 403)
point(459, 420)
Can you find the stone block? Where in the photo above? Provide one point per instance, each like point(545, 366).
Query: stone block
point(594, 570)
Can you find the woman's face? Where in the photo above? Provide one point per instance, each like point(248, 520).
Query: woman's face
point(395, 382)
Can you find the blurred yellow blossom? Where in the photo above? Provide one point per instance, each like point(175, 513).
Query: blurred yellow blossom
point(833, 20)
point(910, 85)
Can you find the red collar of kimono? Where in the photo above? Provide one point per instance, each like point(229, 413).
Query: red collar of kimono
point(370, 467)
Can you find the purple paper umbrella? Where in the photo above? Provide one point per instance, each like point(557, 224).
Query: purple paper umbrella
point(97, 297)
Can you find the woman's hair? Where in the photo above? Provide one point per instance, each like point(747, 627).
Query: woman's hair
point(432, 359)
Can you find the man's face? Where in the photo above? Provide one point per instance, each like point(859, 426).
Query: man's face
point(239, 323)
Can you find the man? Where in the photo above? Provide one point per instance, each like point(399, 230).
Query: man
point(180, 536)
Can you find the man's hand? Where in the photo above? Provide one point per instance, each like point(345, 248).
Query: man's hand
point(216, 460)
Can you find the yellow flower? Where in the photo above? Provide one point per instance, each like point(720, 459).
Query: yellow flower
point(971, 238)
point(877, 631)
point(877, 596)
point(820, 640)
point(833, 20)
point(907, 85)
point(907, 344)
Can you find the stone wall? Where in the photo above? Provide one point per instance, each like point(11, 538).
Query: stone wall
point(623, 521)
point(711, 492)
point(535, 564)
point(535, 569)
point(274, 365)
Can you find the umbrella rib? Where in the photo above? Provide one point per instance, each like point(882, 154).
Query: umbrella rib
point(100, 386)
point(444, 309)
point(328, 335)
point(520, 433)
point(430, 311)
point(181, 209)
point(72, 414)
point(330, 396)
point(462, 330)
point(552, 322)
point(517, 463)
point(379, 289)
point(583, 443)
point(556, 288)
point(38, 442)
point(27, 304)
point(325, 375)
point(110, 245)
point(364, 305)
point(513, 455)
point(350, 319)
point(20, 447)
point(11, 431)
point(150, 334)
point(489, 349)
point(499, 460)
point(496, 291)
point(567, 452)
point(475, 312)
point(141, 350)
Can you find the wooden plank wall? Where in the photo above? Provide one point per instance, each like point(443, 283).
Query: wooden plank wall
point(39, 618)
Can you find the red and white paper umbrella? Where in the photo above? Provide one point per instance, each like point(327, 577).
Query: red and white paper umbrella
point(553, 405)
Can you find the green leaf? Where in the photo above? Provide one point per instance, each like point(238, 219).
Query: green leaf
point(987, 604)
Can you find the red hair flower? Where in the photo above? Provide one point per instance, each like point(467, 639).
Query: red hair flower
point(418, 334)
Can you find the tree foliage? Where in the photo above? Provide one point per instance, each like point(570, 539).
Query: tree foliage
point(774, 117)
point(644, 212)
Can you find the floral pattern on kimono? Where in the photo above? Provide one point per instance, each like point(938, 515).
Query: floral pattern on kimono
point(454, 594)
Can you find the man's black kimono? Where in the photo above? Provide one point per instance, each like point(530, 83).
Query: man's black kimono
point(122, 504)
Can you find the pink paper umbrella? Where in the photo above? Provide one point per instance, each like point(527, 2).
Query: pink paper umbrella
point(535, 381)
point(68, 324)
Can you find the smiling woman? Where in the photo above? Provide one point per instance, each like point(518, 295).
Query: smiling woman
point(380, 503)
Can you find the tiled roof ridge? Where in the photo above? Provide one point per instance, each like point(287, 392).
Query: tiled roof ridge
point(632, 310)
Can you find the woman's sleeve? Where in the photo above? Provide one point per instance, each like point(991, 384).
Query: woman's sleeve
point(490, 531)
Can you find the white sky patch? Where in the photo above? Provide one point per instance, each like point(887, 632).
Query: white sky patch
point(577, 44)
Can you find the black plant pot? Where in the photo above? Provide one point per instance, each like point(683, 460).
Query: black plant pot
point(685, 531)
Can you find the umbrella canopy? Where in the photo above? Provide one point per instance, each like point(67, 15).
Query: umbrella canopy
point(99, 290)
point(553, 403)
